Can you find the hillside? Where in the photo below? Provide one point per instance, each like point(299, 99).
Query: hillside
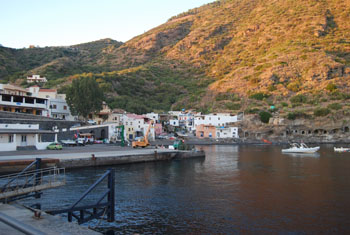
point(230, 55)
point(53, 62)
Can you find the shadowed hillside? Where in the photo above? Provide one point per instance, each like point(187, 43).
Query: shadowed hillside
point(238, 55)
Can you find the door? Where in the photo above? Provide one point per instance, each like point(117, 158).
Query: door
point(23, 140)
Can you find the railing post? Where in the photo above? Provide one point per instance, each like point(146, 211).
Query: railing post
point(111, 196)
point(37, 175)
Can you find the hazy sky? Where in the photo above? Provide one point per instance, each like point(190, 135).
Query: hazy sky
point(68, 22)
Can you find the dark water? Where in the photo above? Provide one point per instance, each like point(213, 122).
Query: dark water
point(234, 189)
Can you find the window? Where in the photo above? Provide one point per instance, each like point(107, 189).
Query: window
point(65, 107)
point(54, 106)
point(10, 138)
point(24, 138)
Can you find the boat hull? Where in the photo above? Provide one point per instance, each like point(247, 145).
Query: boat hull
point(301, 150)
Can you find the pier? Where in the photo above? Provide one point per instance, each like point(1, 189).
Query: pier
point(74, 157)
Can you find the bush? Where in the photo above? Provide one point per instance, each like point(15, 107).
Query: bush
point(335, 106)
point(298, 99)
point(259, 96)
point(233, 106)
point(320, 112)
point(331, 87)
point(284, 104)
point(297, 114)
point(291, 116)
point(252, 111)
point(265, 116)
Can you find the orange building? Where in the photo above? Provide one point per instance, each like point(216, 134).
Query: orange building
point(206, 131)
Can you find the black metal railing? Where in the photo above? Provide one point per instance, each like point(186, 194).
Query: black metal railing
point(95, 211)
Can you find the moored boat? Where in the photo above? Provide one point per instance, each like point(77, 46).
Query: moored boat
point(341, 150)
point(300, 148)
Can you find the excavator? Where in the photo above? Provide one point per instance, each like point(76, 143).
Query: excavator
point(143, 142)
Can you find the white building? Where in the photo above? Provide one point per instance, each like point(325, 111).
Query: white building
point(136, 125)
point(226, 132)
point(174, 122)
point(57, 105)
point(13, 136)
point(153, 116)
point(219, 120)
point(36, 78)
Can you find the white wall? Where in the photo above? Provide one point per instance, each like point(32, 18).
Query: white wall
point(214, 120)
point(229, 132)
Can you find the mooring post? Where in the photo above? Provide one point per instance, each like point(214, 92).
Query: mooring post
point(111, 196)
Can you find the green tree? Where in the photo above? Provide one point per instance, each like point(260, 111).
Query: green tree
point(265, 116)
point(84, 96)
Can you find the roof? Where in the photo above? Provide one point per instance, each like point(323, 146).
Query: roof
point(135, 116)
point(47, 90)
point(25, 131)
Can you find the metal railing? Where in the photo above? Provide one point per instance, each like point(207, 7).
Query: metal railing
point(98, 209)
point(30, 183)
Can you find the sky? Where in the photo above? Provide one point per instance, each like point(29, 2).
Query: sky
point(69, 22)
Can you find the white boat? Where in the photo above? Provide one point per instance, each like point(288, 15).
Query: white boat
point(341, 150)
point(300, 148)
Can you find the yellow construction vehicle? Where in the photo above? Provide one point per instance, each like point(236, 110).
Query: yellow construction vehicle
point(143, 142)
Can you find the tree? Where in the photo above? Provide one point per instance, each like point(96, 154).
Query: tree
point(84, 96)
point(265, 116)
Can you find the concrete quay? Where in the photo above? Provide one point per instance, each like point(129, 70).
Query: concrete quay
point(44, 224)
point(90, 156)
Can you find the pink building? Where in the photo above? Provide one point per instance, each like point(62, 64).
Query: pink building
point(158, 128)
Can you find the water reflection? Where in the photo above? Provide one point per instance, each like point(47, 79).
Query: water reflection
point(302, 154)
point(234, 189)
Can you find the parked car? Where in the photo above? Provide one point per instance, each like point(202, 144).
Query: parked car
point(92, 122)
point(54, 146)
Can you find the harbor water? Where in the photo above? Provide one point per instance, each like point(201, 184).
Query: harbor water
point(233, 190)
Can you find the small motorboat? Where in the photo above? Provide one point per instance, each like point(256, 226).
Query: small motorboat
point(341, 150)
point(300, 148)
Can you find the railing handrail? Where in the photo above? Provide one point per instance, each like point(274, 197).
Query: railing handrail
point(19, 174)
point(43, 170)
point(91, 188)
point(45, 175)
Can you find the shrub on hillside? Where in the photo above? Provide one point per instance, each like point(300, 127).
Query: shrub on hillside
point(259, 96)
point(233, 106)
point(298, 99)
point(265, 116)
point(335, 106)
point(331, 87)
point(251, 111)
point(321, 112)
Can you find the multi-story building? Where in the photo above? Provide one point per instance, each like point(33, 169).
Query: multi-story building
point(136, 126)
point(210, 131)
point(220, 119)
point(57, 105)
point(17, 99)
point(36, 78)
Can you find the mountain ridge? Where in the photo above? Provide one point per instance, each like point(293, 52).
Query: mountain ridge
point(241, 50)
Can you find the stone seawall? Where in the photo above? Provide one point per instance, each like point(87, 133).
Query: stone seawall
point(70, 161)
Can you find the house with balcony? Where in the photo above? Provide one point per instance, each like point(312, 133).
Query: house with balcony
point(17, 99)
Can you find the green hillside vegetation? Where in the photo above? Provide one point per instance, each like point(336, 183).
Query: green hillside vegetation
point(230, 55)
